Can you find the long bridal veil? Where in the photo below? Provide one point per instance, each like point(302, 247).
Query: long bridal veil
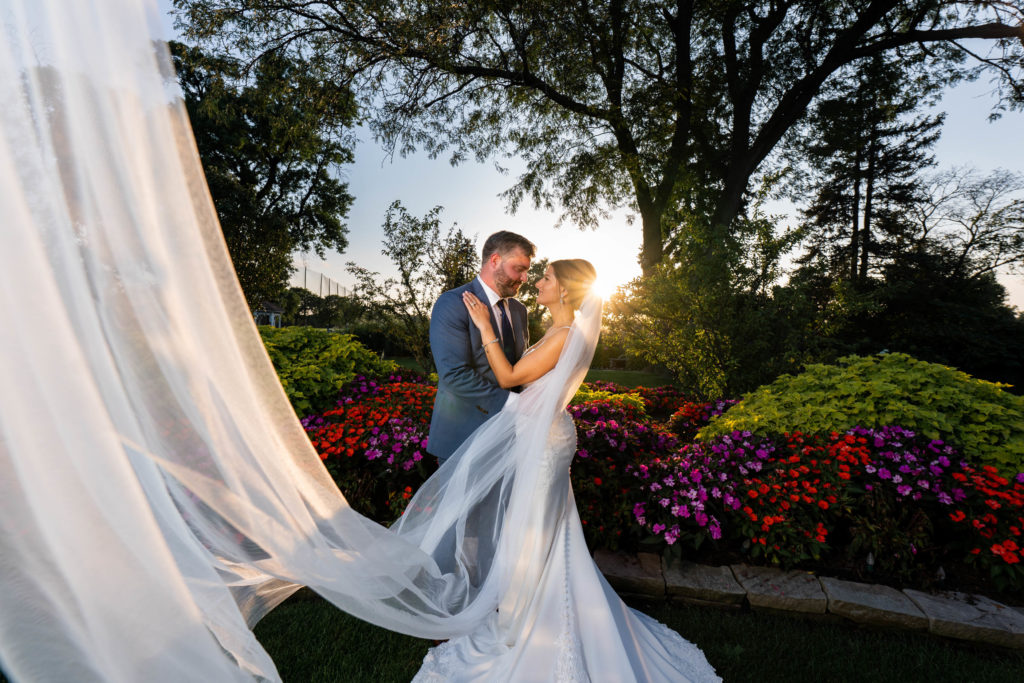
point(157, 494)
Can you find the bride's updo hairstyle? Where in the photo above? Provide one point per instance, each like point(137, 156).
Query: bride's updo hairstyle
point(576, 275)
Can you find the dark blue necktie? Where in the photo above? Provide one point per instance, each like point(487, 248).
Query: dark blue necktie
point(508, 340)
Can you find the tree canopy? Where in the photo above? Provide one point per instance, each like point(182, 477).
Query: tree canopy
point(271, 140)
point(667, 107)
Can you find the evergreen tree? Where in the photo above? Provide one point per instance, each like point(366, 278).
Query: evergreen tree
point(863, 151)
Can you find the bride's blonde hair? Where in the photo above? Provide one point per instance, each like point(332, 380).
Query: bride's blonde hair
point(576, 275)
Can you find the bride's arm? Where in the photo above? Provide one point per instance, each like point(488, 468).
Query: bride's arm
point(529, 367)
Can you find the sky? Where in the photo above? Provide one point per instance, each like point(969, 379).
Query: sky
point(470, 192)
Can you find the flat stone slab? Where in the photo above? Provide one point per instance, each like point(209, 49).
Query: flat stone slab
point(774, 589)
point(703, 584)
point(627, 575)
point(971, 617)
point(872, 605)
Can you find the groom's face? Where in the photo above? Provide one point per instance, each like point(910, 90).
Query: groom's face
point(511, 272)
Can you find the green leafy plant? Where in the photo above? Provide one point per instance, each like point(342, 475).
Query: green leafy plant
point(632, 403)
point(985, 422)
point(314, 364)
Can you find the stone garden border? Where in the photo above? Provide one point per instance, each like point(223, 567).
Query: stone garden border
point(948, 614)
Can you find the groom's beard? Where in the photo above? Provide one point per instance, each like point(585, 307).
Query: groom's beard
point(505, 285)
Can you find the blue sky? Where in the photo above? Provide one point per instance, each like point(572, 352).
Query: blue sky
point(469, 194)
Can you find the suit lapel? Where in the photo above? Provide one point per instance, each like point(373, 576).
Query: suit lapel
point(478, 290)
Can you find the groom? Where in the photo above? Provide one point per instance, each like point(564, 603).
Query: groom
point(467, 392)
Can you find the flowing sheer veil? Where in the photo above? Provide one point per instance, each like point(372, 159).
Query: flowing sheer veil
point(157, 494)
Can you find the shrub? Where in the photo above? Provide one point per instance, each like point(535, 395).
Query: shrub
point(659, 402)
point(314, 364)
point(587, 393)
point(979, 418)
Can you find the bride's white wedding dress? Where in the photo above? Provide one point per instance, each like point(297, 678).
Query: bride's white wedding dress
point(560, 620)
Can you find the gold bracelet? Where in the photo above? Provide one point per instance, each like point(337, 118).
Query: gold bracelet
point(484, 346)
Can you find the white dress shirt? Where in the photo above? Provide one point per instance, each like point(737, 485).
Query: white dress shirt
point(496, 303)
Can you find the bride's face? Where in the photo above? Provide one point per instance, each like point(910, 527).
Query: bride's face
point(548, 288)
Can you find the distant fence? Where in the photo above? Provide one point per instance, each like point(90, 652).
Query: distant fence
point(316, 282)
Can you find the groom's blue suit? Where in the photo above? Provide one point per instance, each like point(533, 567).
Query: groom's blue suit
point(467, 391)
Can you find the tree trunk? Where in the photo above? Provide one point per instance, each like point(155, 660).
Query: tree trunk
point(855, 213)
point(653, 245)
point(869, 196)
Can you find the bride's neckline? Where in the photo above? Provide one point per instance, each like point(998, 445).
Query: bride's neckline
point(544, 338)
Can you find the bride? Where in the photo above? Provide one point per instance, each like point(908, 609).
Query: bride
point(557, 619)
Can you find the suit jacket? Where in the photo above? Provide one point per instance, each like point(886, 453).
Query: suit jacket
point(467, 391)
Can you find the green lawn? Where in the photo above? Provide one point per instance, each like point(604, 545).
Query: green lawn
point(312, 641)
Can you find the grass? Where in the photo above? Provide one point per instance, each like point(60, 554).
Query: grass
point(627, 378)
point(312, 641)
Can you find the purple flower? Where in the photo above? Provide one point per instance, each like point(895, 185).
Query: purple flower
point(884, 474)
point(903, 489)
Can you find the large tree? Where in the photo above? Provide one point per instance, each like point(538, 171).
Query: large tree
point(271, 139)
point(668, 107)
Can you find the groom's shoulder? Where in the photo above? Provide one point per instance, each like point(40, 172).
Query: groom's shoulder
point(451, 296)
point(458, 290)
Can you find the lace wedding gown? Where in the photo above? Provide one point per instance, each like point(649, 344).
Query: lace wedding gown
point(559, 619)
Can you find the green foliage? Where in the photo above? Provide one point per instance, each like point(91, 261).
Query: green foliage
point(272, 140)
point(314, 364)
point(631, 403)
point(428, 262)
point(718, 328)
point(938, 402)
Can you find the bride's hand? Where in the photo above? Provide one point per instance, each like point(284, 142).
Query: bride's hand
point(477, 311)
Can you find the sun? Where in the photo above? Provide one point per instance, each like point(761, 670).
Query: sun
point(604, 286)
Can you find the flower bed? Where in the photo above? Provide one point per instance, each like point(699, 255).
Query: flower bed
point(911, 505)
point(884, 500)
point(374, 441)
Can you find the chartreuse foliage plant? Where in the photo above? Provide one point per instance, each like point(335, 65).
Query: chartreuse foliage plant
point(632, 403)
point(982, 420)
point(314, 364)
